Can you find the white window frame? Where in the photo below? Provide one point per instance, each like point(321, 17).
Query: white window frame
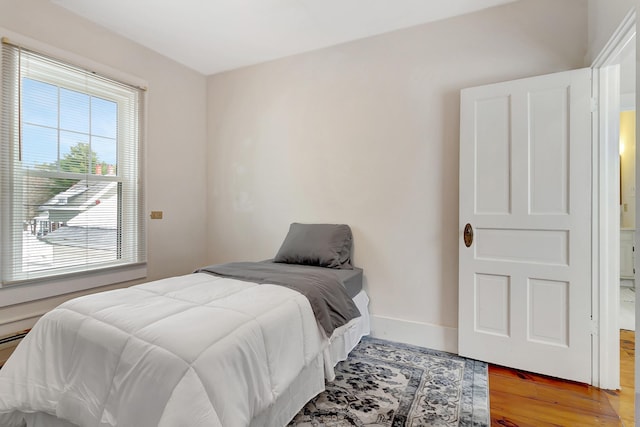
point(78, 281)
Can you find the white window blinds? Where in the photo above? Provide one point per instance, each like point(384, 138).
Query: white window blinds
point(70, 170)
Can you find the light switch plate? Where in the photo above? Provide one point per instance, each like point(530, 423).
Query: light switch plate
point(156, 214)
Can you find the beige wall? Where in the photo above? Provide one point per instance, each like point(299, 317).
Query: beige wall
point(176, 138)
point(366, 133)
point(604, 18)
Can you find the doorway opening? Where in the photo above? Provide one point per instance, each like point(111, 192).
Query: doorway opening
point(613, 192)
point(627, 188)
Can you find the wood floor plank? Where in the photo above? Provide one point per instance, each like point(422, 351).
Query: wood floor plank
point(523, 399)
point(5, 352)
point(591, 403)
point(517, 409)
point(622, 401)
point(504, 421)
point(599, 406)
point(541, 380)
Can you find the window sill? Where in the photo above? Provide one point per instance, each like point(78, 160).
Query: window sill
point(17, 294)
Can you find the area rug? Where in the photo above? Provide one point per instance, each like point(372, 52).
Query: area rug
point(390, 384)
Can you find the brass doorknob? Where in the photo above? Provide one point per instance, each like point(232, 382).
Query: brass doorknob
point(468, 235)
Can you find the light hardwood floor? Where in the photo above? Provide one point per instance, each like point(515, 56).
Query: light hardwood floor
point(522, 399)
point(6, 348)
point(5, 352)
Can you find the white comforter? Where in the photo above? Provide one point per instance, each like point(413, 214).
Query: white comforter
point(194, 350)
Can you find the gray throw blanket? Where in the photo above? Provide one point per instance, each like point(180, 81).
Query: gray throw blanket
point(328, 298)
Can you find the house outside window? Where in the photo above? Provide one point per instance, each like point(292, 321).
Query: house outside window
point(72, 199)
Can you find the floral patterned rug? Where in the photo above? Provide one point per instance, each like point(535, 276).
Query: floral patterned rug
point(391, 384)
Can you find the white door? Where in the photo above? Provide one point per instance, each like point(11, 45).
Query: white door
point(525, 189)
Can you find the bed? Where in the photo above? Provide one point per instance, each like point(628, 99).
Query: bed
point(228, 345)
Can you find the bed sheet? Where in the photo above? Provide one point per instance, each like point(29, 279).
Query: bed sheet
point(351, 278)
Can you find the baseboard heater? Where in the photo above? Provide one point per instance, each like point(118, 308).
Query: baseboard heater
point(14, 337)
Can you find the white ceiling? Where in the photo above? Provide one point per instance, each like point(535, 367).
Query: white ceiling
point(211, 36)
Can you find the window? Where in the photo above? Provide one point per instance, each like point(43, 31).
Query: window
point(71, 176)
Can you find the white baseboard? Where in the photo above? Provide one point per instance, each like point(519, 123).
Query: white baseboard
point(427, 335)
point(16, 325)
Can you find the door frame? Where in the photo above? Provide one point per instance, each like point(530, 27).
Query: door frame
point(605, 207)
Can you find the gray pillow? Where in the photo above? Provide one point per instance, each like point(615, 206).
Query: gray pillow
point(323, 245)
